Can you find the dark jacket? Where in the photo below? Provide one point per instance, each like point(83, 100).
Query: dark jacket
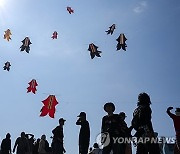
point(58, 134)
point(6, 146)
point(84, 135)
point(142, 119)
point(112, 125)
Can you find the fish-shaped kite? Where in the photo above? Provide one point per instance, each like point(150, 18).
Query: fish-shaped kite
point(32, 86)
point(54, 35)
point(70, 10)
point(7, 66)
point(49, 106)
point(111, 29)
point(121, 42)
point(94, 51)
point(26, 42)
point(7, 34)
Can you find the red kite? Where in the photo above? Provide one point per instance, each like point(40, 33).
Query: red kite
point(49, 106)
point(32, 86)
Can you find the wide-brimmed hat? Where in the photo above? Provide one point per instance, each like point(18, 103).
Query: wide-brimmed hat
point(82, 114)
point(109, 104)
point(122, 114)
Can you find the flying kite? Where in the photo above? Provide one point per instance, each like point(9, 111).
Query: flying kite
point(55, 35)
point(111, 29)
point(26, 42)
point(32, 86)
point(49, 106)
point(70, 10)
point(93, 51)
point(7, 34)
point(7, 66)
point(121, 42)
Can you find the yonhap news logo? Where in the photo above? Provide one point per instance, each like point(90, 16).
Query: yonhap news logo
point(103, 139)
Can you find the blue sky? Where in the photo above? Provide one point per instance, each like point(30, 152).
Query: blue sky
point(63, 67)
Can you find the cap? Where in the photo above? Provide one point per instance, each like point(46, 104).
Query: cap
point(61, 119)
point(82, 114)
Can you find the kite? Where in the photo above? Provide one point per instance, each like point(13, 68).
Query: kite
point(121, 42)
point(93, 51)
point(26, 42)
point(49, 106)
point(32, 86)
point(111, 29)
point(54, 36)
point(7, 34)
point(7, 66)
point(70, 10)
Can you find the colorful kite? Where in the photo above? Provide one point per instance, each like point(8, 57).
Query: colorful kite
point(55, 35)
point(93, 51)
point(32, 86)
point(111, 29)
point(26, 42)
point(7, 66)
point(49, 106)
point(70, 10)
point(7, 34)
point(121, 42)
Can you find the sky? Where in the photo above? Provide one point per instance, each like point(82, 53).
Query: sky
point(63, 67)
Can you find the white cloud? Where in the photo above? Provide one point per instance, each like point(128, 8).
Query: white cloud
point(140, 7)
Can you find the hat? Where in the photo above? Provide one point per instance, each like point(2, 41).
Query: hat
point(109, 104)
point(122, 114)
point(82, 114)
point(177, 110)
point(61, 119)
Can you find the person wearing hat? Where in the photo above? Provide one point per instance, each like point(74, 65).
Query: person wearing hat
point(58, 136)
point(141, 122)
point(126, 132)
point(111, 124)
point(84, 134)
point(176, 120)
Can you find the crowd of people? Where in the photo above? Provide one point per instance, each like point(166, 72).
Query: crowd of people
point(113, 127)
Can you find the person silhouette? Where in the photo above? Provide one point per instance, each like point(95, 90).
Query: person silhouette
point(6, 144)
point(176, 119)
point(84, 135)
point(141, 122)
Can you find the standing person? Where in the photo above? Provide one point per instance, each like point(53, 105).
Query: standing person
point(6, 145)
point(141, 122)
point(30, 139)
point(21, 144)
point(42, 149)
point(84, 135)
point(111, 126)
point(176, 120)
point(126, 131)
point(36, 146)
point(58, 136)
